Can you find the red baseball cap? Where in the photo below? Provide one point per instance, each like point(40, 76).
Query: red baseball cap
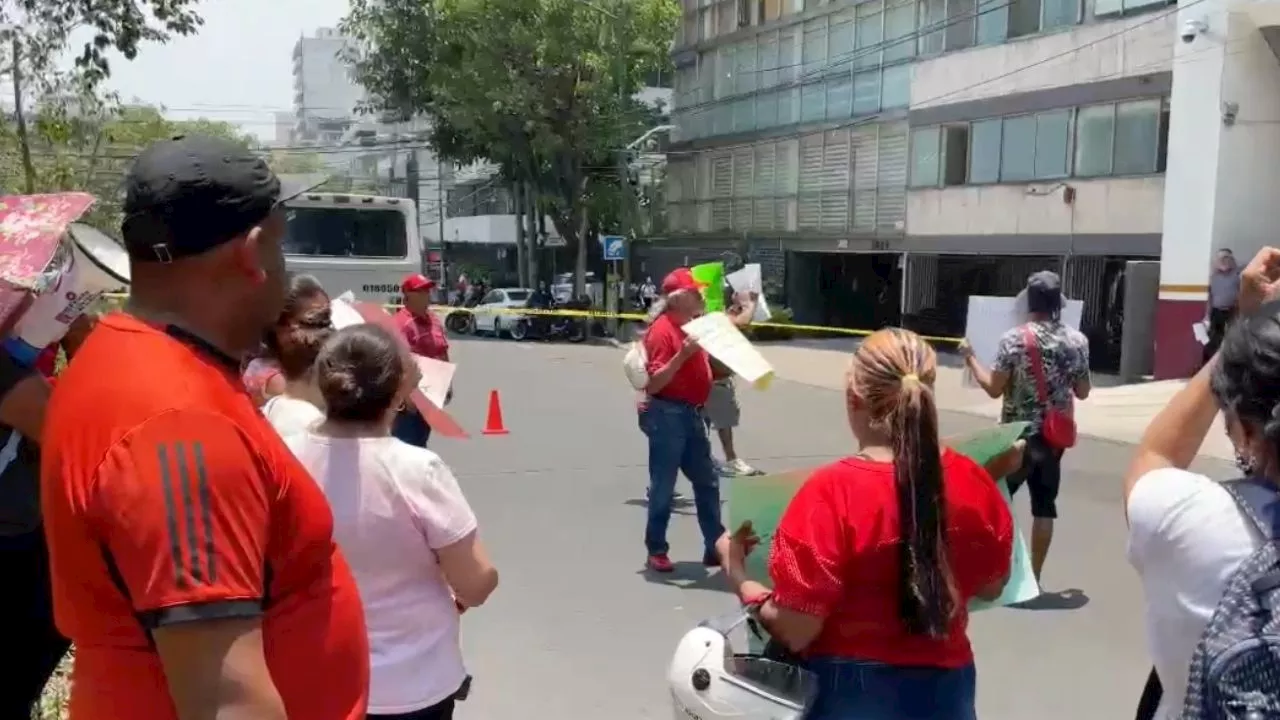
point(417, 282)
point(680, 279)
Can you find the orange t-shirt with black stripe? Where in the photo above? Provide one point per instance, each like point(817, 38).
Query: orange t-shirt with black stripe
point(168, 498)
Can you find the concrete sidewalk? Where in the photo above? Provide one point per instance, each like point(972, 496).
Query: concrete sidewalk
point(1119, 413)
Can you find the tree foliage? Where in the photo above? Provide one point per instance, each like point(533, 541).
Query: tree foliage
point(35, 37)
point(543, 88)
point(91, 151)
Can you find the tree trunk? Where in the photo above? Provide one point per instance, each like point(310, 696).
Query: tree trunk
point(531, 232)
point(522, 243)
point(20, 118)
point(580, 262)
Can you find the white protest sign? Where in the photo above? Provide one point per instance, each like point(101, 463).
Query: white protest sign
point(343, 313)
point(717, 334)
point(748, 279)
point(437, 378)
point(991, 317)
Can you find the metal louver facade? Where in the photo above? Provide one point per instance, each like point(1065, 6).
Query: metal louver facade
point(844, 182)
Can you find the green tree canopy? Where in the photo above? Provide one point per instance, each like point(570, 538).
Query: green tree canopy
point(543, 88)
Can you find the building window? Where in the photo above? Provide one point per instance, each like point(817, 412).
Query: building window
point(870, 31)
point(1053, 136)
point(1102, 8)
point(925, 159)
point(839, 97)
point(1028, 17)
point(895, 91)
point(1137, 137)
point(1095, 140)
point(1018, 142)
point(899, 30)
point(1128, 138)
point(984, 157)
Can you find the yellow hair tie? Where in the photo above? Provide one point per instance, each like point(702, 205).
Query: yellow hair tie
point(910, 377)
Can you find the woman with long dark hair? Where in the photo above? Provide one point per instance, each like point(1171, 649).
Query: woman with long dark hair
point(262, 376)
point(878, 555)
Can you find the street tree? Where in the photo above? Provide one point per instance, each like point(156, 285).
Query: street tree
point(36, 37)
point(543, 88)
point(92, 151)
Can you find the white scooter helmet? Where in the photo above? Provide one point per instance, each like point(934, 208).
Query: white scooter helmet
point(709, 681)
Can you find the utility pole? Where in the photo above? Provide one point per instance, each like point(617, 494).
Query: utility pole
point(413, 191)
point(441, 208)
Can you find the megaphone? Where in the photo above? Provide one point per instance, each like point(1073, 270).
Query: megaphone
point(88, 264)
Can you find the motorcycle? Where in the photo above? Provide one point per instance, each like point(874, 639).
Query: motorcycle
point(462, 322)
point(710, 681)
point(553, 327)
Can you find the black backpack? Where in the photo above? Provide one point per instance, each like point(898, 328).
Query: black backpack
point(1235, 671)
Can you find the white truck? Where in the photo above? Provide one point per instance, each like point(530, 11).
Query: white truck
point(361, 243)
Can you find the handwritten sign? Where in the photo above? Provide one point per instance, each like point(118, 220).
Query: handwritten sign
point(717, 334)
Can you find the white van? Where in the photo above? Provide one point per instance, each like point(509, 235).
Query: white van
point(360, 243)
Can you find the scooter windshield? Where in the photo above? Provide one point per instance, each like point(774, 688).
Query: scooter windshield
point(784, 681)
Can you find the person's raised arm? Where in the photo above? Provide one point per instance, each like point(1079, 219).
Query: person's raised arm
point(182, 509)
point(665, 358)
point(24, 393)
point(996, 380)
point(450, 529)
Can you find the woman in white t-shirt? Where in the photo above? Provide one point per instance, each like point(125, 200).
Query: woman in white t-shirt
point(1187, 536)
point(402, 522)
point(298, 407)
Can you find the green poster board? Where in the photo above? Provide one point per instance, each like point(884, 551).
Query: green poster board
point(712, 276)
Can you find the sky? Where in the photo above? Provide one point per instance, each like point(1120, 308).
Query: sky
point(237, 68)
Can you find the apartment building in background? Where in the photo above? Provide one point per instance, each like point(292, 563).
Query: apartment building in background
point(910, 153)
point(325, 92)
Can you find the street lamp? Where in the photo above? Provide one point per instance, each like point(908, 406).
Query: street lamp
point(650, 133)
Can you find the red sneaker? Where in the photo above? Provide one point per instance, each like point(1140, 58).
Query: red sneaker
point(660, 563)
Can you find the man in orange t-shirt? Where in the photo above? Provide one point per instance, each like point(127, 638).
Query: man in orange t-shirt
point(193, 560)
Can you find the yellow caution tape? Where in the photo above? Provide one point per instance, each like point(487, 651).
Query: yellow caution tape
point(636, 317)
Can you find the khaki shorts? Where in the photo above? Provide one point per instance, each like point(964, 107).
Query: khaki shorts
point(722, 406)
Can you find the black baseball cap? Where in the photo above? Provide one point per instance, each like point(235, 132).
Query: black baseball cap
point(1044, 292)
point(188, 195)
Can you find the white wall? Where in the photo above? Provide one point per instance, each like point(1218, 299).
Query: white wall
point(1105, 51)
point(1248, 195)
point(1223, 181)
point(1119, 205)
point(486, 229)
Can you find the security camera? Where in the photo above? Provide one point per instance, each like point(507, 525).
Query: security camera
point(1192, 29)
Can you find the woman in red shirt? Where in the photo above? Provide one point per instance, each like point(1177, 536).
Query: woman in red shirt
point(878, 555)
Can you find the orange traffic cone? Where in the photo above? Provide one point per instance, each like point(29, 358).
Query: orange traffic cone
point(493, 423)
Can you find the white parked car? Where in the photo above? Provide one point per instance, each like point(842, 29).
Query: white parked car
point(494, 313)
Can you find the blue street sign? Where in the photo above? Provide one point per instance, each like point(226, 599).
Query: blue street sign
point(615, 247)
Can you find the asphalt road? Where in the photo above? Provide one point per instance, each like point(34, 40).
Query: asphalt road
point(577, 629)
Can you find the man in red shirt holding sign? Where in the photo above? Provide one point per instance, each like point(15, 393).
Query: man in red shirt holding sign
point(426, 337)
point(671, 417)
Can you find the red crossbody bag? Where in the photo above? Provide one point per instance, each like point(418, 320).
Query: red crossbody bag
point(1058, 428)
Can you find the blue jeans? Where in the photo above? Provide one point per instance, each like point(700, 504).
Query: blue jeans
point(678, 441)
point(409, 427)
point(861, 690)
